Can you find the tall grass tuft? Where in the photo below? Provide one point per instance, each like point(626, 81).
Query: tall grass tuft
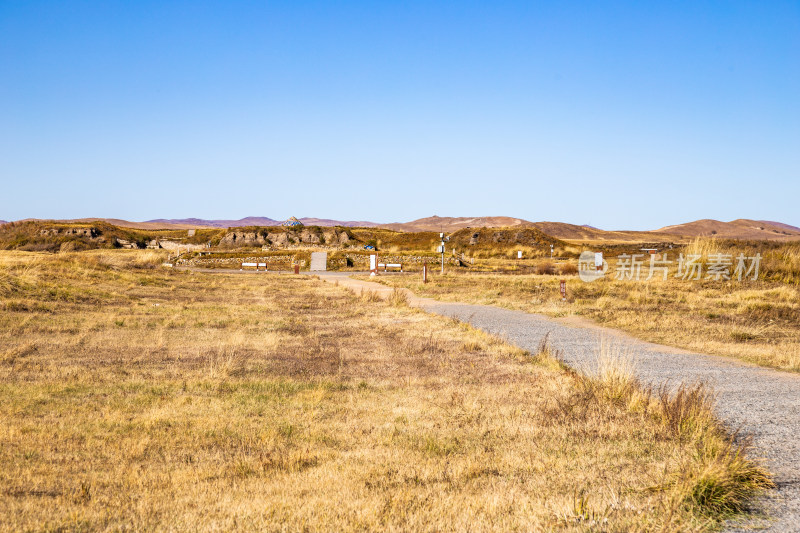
point(715, 478)
point(398, 298)
point(704, 246)
point(369, 295)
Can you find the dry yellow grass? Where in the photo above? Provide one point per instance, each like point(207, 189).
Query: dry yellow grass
point(134, 397)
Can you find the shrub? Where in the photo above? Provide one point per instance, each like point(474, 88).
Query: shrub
point(567, 269)
point(545, 268)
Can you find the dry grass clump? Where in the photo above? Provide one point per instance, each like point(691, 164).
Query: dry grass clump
point(370, 296)
point(151, 399)
point(545, 268)
point(567, 269)
point(715, 475)
point(711, 473)
point(704, 247)
point(399, 297)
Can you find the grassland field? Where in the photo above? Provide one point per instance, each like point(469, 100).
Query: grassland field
point(134, 397)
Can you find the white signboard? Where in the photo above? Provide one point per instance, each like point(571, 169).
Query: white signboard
point(591, 266)
point(319, 261)
point(519, 254)
point(373, 262)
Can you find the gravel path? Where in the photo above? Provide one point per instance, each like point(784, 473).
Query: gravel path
point(760, 402)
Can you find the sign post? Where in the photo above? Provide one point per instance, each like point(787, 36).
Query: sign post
point(425, 273)
point(296, 268)
point(441, 249)
point(373, 264)
point(563, 289)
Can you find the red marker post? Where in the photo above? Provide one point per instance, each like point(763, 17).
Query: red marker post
point(563, 289)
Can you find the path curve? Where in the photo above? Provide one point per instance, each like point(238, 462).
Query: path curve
point(760, 402)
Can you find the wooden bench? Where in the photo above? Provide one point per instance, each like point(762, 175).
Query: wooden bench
point(390, 265)
point(257, 265)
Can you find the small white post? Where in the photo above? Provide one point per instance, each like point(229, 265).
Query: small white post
point(441, 249)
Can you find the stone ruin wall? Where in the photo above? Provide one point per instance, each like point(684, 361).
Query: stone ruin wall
point(337, 262)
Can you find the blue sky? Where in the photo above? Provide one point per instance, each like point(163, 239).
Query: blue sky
point(628, 115)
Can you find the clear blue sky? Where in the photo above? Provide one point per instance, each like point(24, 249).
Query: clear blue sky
point(626, 115)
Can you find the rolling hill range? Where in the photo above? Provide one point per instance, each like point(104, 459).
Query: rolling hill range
point(745, 229)
point(571, 232)
point(736, 229)
point(203, 223)
point(262, 221)
point(119, 223)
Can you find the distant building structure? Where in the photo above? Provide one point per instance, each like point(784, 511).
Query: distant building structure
point(292, 222)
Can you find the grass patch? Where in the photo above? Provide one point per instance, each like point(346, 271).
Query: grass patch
point(221, 402)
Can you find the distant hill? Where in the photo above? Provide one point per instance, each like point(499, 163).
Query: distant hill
point(54, 236)
point(198, 223)
point(118, 222)
point(736, 229)
point(262, 221)
point(451, 224)
point(203, 223)
point(344, 223)
point(572, 232)
point(787, 227)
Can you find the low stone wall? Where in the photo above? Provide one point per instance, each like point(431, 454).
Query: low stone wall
point(361, 261)
point(338, 261)
point(274, 262)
